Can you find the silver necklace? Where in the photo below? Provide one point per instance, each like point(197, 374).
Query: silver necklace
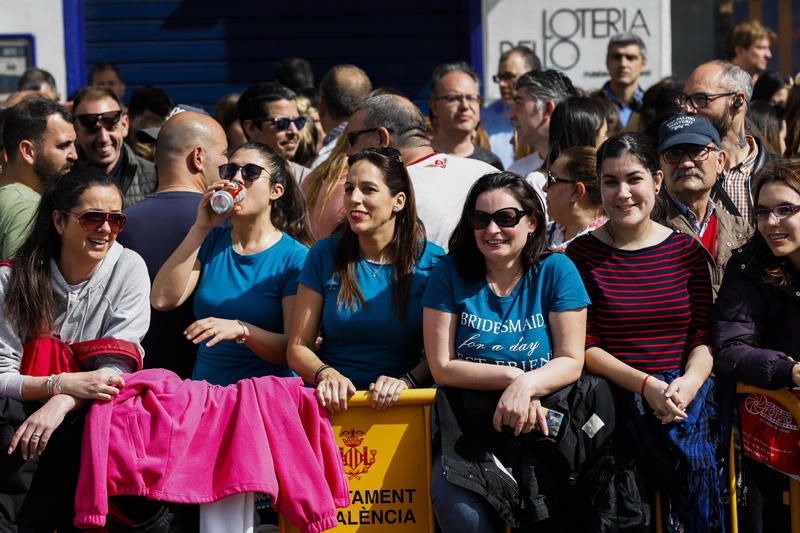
point(373, 271)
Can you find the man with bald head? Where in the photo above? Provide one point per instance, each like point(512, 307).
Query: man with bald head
point(721, 91)
point(190, 147)
point(342, 89)
point(441, 181)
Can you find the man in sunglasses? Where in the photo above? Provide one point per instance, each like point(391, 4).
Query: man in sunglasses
point(721, 91)
point(101, 126)
point(494, 117)
point(268, 114)
point(40, 145)
point(441, 181)
point(190, 147)
point(691, 160)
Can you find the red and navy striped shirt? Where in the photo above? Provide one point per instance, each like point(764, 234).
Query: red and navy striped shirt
point(650, 307)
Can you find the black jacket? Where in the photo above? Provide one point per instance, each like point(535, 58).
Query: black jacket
point(541, 477)
point(756, 324)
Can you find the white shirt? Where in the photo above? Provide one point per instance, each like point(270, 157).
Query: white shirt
point(441, 184)
point(526, 165)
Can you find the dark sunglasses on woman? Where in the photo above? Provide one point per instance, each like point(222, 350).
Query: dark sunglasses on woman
point(94, 220)
point(93, 121)
point(508, 217)
point(250, 171)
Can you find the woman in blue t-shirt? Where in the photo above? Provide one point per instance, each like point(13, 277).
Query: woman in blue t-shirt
point(501, 313)
point(362, 288)
point(244, 275)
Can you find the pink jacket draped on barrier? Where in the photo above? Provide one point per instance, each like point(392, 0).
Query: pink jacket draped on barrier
point(191, 442)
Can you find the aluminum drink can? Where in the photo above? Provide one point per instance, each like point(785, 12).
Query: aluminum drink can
point(223, 200)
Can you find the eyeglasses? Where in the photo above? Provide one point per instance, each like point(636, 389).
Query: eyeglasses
point(93, 121)
point(352, 136)
point(458, 98)
point(762, 214)
point(503, 76)
point(696, 153)
point(250, 172)
point(93, 220)
point(552, 179)
point(283, 123)
point(508, 217)
point(698, 100)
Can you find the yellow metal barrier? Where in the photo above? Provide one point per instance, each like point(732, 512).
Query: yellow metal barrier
point(791, 403)
point(387, 460)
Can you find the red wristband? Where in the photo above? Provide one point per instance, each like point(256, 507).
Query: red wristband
point(644, 382)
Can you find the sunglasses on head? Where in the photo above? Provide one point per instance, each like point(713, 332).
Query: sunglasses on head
point(283, 123)
point(93, 121)
point(508, 217)
point(93, 220)
point(250, 171)
point(384, 151)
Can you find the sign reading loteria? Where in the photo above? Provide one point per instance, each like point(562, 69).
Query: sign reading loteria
point(386, 457)
point(573, 36)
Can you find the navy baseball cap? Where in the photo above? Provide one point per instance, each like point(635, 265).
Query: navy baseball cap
point(686, 129)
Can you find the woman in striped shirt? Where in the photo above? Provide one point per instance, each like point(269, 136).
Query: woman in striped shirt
point(648, 333)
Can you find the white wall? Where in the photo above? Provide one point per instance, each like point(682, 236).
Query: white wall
point(45, 21)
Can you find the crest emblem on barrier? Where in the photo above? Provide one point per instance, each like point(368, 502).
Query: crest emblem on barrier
point(357, 461)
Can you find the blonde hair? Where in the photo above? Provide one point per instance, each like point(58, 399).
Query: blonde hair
point(321, 182)
point(307, 150)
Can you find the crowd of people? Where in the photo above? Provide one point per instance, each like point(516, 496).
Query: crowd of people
point(553, 252)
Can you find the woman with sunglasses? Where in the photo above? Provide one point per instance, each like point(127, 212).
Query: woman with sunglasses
point(70, 279)
point(501, 314)
point(244, 275)
point(573, 197)
point(648, 332)
point(362, 288)
point(756, 335)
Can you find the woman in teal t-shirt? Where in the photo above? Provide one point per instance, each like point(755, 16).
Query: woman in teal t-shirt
point(501, 313)
point(243, 276)
point(363, 290)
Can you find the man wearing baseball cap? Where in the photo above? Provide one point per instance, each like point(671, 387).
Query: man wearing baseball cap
point(691, 160)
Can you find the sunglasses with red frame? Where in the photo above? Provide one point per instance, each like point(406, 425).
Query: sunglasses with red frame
point(94, 220)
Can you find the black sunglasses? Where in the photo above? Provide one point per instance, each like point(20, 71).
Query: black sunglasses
point(250, 171)
point(93, 220)
point(283, 123)
point(353, 135)
point(552, 179)
point(93, 121)
point(508, 217)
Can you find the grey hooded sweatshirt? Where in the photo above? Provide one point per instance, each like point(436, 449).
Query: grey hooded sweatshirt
point(113, 303)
